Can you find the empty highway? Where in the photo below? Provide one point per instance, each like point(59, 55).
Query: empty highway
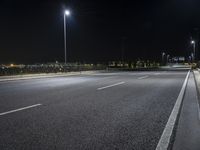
point(101, 111)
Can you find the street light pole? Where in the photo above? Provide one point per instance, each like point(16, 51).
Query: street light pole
point(194, 47)
point(65, 42)
point(163, 58)
point(168, 58)
point(67, 13)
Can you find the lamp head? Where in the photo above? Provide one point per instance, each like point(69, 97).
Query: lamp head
point(192, 42)
point(67, 12)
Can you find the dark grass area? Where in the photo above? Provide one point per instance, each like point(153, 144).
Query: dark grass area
point(35, 69)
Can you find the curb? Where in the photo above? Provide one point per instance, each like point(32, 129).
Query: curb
point(197, 87)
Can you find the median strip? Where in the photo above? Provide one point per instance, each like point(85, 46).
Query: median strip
point(20, 109)
point(44, 75)
point(164, 141)
point(110, 85)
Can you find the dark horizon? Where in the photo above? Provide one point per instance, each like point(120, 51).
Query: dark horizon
point(32, 32)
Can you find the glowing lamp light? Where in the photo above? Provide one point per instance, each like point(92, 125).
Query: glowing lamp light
point(192, 42)
point(67, 12)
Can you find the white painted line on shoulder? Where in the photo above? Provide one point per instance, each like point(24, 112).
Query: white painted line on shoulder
point(110, 85)
point(20, 109)
point(164, 141)
point(143, 77)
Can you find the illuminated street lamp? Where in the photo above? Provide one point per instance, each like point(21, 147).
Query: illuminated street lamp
point(66, 13)
point(192, 42)
point(194, 45)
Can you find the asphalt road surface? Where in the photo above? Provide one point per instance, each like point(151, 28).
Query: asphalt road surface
point(118, 110)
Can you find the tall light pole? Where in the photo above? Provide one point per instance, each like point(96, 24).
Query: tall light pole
point(163, 57)
point(66, 13)
point(168, 58)
point(194, 47)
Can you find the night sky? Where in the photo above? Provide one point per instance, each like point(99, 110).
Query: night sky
point(97, 30)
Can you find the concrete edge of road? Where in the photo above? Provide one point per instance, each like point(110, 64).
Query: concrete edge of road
point(166, 137)
point(46, 75)
point(197, 83)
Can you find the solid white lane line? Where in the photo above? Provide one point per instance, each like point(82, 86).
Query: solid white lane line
point(20, 109)
point(110, 85)
point(164, 141)
point(143, 77)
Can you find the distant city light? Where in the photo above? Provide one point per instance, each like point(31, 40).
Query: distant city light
point(11, 65)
